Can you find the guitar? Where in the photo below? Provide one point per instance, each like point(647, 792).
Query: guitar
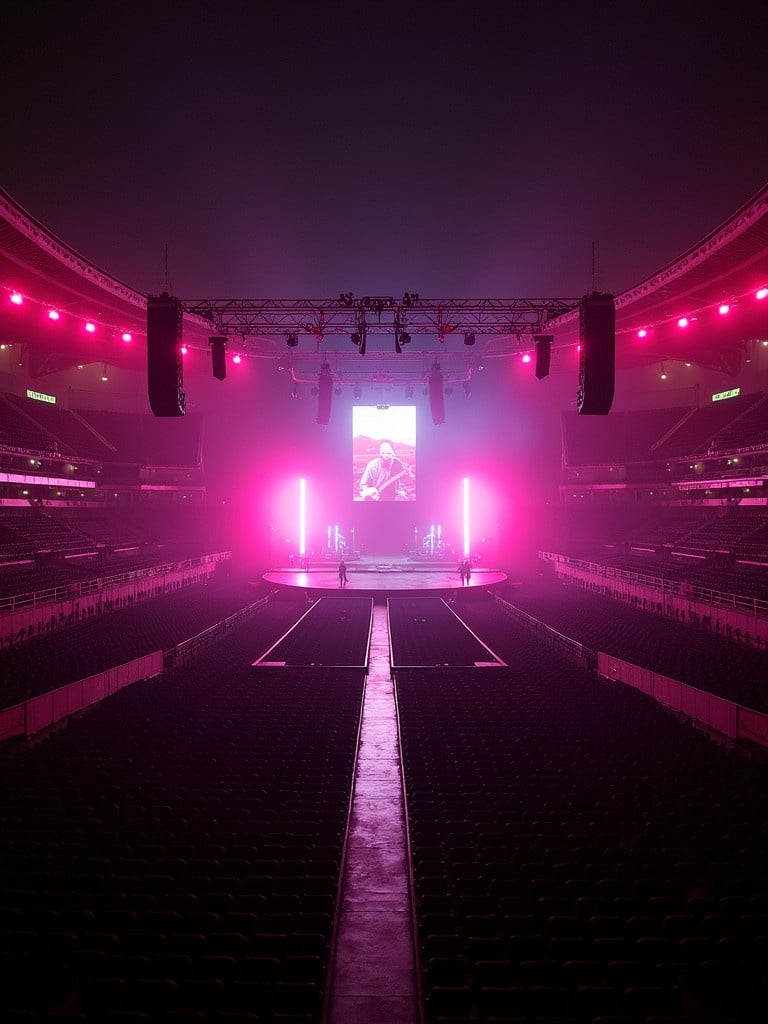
point(374, 493)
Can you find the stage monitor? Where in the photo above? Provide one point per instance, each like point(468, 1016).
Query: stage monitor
point(384, 453)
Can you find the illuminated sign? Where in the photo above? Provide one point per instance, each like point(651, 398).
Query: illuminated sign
point(733, 393)
point(40, 397)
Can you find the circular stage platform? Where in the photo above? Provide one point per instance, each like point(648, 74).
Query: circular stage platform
point(383, 579)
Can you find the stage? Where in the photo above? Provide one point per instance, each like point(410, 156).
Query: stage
point(381, 579)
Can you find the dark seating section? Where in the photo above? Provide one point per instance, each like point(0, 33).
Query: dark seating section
point(65, 430)
point(104, 641)
point(578, 854)
point(709, 546)
point(425, 631)
point(335, 631)
point(145, 440)
point(679, 650)
point(67, 530)
point(175, 854)
point(586, 442)
point(696, 434)
point(99, 436)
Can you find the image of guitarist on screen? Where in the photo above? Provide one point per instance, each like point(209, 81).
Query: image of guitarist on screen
point(381, 477)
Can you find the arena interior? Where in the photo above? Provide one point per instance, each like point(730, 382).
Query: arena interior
point(235, 790)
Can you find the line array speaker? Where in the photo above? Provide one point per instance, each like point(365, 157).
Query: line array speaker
point(324, 395)
point(597, 357)
point(436, 398)
point(165, 372)
point(543, 346)
point(218, 357)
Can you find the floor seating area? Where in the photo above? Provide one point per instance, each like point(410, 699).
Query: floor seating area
point(578, 854)
point(682, 651)
point(175, 854)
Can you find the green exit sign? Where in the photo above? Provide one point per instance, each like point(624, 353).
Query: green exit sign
point(39, 396)
point(733, 393)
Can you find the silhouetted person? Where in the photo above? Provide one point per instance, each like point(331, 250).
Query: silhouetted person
point(342, 573)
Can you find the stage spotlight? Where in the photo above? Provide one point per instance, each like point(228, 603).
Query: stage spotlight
point(469, 338)
point(355, 338)
point(292, 340)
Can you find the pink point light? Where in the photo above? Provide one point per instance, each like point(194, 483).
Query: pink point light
point(184, 350)
point(683, 321)
point(90, 327)
point(236, 359)
point(526, 357)
point(723, 309)
point(17, 298)
point(761, 293)
point(642, 333)
point(126, 336)
point(53, 314)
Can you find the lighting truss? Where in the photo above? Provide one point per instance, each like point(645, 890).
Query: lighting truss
point(322, 318)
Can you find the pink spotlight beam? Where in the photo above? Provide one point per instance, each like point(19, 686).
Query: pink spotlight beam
point(466, 517)
point(302, 517)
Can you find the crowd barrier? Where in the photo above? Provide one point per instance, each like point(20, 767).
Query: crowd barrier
point(724, 716)
point(44, 711)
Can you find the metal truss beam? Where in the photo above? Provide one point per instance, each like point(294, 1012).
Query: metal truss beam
point(380, 315)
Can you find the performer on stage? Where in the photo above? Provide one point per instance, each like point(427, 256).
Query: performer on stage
point(342, 573)
point(381, 477)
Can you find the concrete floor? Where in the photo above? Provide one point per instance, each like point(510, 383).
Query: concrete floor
point(374, 971)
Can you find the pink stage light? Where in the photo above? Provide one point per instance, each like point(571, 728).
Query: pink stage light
point(17, 298)
point(724, 309)
point(526, 357)
point(126, 336)
point(683, 321)
point(642, 333)
point(302, 517)
point(761, 293)
point(236, 359)
point(466, 517)
point(184, 350)
point(53, 314)
point(90, 327)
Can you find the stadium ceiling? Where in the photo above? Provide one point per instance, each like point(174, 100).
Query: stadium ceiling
point(725, 268)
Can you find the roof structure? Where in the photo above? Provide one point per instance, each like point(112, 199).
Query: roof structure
point(724, 269)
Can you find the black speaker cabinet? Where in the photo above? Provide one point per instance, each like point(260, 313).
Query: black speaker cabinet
point(543, 345)
point(218, 357)
point(165, 371)
point(324, 395)
point(436, 398)
point(597, 358)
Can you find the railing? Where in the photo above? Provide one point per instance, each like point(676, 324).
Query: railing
point(78, 588)
point(586, 655)
point(680, 588)
point(187, 648)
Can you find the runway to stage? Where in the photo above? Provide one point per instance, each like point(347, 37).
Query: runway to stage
point(384, 578)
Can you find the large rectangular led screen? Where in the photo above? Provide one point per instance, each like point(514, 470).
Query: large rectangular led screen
point(384, 453)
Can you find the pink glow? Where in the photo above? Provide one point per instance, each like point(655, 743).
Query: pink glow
point(466, 517)
point(526, 357)
point(683, 321)
point(723, 309)
point(302, 517)
point(53, 314)
point(184, 350)
point(17, 298)
point(126, 336)
point(90, 327)
point(236, 359)
point(642, 333)
point(761, 293)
